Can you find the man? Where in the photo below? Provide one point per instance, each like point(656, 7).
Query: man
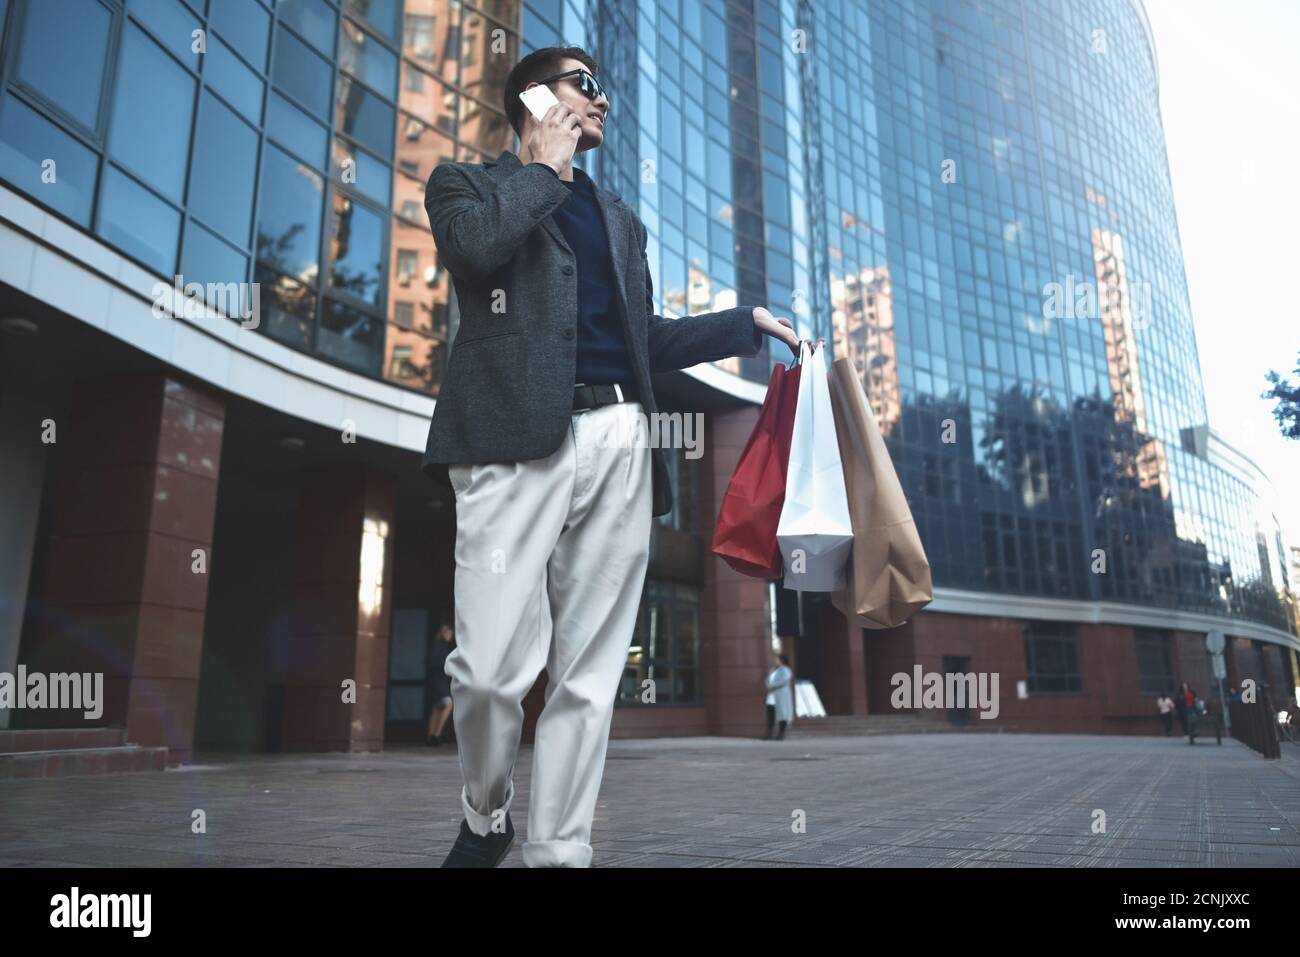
point(550, 366)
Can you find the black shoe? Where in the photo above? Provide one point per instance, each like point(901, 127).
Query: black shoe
point(470, 850)
point(433, 741)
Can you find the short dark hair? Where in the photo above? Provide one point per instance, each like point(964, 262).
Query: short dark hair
point(534, 67)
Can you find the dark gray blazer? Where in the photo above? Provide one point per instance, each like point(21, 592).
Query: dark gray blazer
point(507, 394)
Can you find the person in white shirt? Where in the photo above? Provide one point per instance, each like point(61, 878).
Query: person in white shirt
point(780, 696)
point(1166, 706)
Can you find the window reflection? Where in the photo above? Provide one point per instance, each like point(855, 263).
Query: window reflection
point(356, 247)
point(381, 14)
point(288, 308)
point(431, 36)
point(223, 169)
point(367, 59)
point(66, 65)
point(364, 117)
point(289, 216)
point(134, 219)
point(350, 336)
point(313, 20)
point(153, 108)
point(26, 141)
point(486, 55)
point(424, 96)
point(665, 646)
point(302, 73)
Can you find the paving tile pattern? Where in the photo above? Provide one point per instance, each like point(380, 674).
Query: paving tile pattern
point(878, 801)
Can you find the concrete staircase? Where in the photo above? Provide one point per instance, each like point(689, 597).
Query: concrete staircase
point(61, 752)
point(922, 722)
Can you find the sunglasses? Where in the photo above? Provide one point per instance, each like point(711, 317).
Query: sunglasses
point(584, 81)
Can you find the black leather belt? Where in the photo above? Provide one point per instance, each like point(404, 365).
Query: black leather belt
point(594, 396)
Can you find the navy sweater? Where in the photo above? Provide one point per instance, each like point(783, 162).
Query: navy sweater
point(602, 349)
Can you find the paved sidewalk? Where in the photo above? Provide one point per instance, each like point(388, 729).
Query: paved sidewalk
point(884, 801)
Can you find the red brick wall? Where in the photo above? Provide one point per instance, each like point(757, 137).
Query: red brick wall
point(1111, 700)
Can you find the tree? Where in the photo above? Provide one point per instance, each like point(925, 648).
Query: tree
point(1287, 410)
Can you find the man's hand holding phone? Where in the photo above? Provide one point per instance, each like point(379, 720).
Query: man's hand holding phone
point(554, 138)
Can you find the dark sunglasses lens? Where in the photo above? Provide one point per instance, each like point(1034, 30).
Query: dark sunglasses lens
point(591, 87)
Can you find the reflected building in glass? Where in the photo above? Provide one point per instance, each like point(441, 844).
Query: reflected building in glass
point(968, 200)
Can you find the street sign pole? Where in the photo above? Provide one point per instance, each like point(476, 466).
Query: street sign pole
point(1215, 642)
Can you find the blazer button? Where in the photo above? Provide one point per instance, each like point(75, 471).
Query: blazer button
point(567, 269)
point(568, 333)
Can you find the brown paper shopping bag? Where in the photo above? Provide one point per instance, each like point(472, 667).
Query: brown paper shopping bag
point(889, 575)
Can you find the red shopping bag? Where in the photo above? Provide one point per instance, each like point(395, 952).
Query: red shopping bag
point(745, 535)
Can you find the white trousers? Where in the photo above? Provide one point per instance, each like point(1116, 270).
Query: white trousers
point(551, 558)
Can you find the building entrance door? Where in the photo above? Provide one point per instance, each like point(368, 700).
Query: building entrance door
point(960, 665)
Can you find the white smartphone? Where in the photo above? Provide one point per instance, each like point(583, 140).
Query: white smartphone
point(539, 99)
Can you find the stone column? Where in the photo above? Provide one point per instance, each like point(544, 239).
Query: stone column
point(342, 599)
point(23, 455)
point(131, 546)
point(844, 663)
point(735, 628)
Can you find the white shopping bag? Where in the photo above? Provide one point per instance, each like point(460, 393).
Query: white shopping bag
point(814, 533)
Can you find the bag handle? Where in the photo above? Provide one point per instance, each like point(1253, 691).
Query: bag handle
point(808, 344)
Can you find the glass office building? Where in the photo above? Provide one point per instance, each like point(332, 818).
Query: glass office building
point(969, 199)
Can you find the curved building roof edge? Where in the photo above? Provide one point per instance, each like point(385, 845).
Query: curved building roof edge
point(1141, 11)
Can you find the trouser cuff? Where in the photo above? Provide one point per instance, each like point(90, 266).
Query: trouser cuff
point(479, 823)
point(556, 854)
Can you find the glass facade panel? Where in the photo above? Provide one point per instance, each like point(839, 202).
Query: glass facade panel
point(314, 20)
point(359, 169)
point(233, 79)
point(289, 216)
point(365, 117)
point(29, 145)
point(66, 66)
point(351, 337)
point(172, 25)
point(301, 73)
point(357, 250)
point(296, 131)
point(244, 25)
point(138, 222)
point(288, 308)
point(223, 171)
point(208, 260)
point(367, 59)
point(384, 15)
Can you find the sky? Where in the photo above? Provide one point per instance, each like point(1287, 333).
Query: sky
point(1230, 100)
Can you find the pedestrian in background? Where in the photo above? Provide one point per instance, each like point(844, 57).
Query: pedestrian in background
point(1181, 702)
point(439, 686)
point(1189, 707)
point(1166, 706)
point(780, 696)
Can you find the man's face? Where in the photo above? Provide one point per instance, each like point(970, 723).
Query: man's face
point(592, 112)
